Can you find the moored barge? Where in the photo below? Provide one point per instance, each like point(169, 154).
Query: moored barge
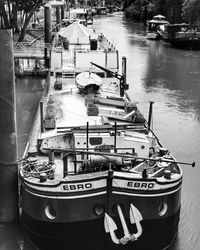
point(95, 176)
point(182, 35)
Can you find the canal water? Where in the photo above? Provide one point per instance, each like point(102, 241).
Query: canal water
point(156, 72)
point(28, 95)
point(171, 79)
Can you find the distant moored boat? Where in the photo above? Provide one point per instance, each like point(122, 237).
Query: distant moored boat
point(153, 26)
point(181, 35)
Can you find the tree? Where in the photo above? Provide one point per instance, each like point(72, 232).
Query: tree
point(5, 15)
point(191, 10)
point(174, 11)
point(9, 12)
point(142, 9)
point(160, 7)
point(28, 8)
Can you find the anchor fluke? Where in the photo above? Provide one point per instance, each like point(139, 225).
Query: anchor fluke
point(109, 223)
point(136, 217)
point(110, 227)
point(135, 214)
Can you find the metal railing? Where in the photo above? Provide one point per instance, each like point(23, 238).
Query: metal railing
point(31, 49)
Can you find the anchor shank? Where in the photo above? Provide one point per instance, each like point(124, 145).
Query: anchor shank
point(125, 228)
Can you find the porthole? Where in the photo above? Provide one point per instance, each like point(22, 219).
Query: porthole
point(162, 209)
point(142, 147)
point(50, 212)
point(99, 209)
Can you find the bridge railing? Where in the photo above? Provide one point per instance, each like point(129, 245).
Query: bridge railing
point(31, 44)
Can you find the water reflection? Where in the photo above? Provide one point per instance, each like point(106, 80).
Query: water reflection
point(28, 94)
point(12, 237)
point(170, 78)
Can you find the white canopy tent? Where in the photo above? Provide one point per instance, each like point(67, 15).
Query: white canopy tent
point(77, 33)
point(159, 17)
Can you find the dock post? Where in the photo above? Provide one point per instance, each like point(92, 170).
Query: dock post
point(8, 132)
point(115, 138)
point(117, 54)
point(123, 80)
point(41, 117)
point(47, 31)
point(150, 114)
point(62, 12)
point(87, 137)
point(57, 17)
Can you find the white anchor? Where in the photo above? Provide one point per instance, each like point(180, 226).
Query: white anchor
point(136, 217)
point(110, 226)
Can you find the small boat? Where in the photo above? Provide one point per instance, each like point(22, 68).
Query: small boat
point(88, 82)
point(153, 26)
point(181, 35)
point(83, 15)
point(77, 14)
point(101, 10)
point(89, 20)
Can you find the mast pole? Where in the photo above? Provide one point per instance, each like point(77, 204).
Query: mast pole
point(48, 33)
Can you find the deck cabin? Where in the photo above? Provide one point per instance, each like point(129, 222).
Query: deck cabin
point(75, 46)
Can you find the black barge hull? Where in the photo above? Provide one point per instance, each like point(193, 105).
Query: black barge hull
point(159, 224)
point(91, 235)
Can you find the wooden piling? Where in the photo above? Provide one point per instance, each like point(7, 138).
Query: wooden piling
point(150, 114)
point(47, 31)
point(123, 80)
point(8, 132)
point(62, 12)
point(58, 17)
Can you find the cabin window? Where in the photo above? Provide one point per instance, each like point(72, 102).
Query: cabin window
point(96, 140)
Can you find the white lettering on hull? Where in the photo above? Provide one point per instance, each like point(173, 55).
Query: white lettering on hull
point(140, 185)
point(78, 187)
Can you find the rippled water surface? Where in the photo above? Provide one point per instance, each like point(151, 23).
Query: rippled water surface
point(156, 72)
point(171, 79)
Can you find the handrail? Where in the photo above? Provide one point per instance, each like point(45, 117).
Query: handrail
point(29, 45)
point(121, 155)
